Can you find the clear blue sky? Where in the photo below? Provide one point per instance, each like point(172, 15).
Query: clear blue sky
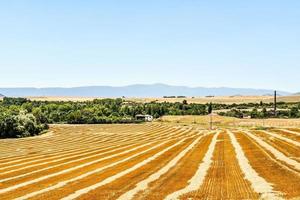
point(233, 43)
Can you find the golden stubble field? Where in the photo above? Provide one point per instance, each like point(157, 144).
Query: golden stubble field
point(202, 100)
point(227, 122)
point(152, 161)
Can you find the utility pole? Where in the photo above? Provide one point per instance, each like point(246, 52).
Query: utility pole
point(210, 112)
point(275, 103)
point(210, 121)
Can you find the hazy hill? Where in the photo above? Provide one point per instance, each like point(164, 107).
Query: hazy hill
point(138, 90)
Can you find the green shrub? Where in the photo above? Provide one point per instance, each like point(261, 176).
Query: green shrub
point(19, 125)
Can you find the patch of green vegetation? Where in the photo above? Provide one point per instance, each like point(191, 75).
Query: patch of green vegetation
point(20, 117)
point(262, 128)
point(18, 124)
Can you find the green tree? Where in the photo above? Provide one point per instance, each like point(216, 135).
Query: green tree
point(254, 113)
point(210, 108)
point(294, 112)
point(264, 113)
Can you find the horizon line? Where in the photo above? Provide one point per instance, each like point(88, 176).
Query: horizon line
point(142, 84)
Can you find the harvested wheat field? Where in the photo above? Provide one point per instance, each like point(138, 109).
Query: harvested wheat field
point(151, 161)
point(202, 100)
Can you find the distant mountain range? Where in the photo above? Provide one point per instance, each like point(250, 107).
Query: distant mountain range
point(1, 95)
point(138, 90)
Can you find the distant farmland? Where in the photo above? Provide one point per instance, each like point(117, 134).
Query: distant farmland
point(151, 161)
point(228, 122)
point(201, 100)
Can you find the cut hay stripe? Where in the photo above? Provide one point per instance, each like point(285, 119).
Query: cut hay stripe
point(87, 157)
point(259, 184)
point(61, 147)
point(72, 169)
point(278, 155)
point(65, 163)
point(83, 191)
point(78, 151)
point(196, 181)
point(71, 143)
point(144, 184)
point(283, 138)
point(63, 183)
point(289, 131)
point(66, 156)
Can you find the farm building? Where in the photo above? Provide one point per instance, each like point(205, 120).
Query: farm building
point(245, 116)
point(146, 118)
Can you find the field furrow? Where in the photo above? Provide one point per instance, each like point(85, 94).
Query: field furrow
point(161, 183)
point(109, 141)
point(287, 134)
point(293, 164)
point(53, 168)
point(100, 186)
point(78, 152)
point(196, 181)
point(224, 167)
point(151, 161)
point(295, 131)
point(283, 180)
point(87, 141)
point(283, 138)
point(66, 173)
point(133, 158)
point(286, 148)
point(43, 182)
point(259, 184)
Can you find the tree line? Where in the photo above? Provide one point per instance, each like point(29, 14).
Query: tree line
point(20, 117)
